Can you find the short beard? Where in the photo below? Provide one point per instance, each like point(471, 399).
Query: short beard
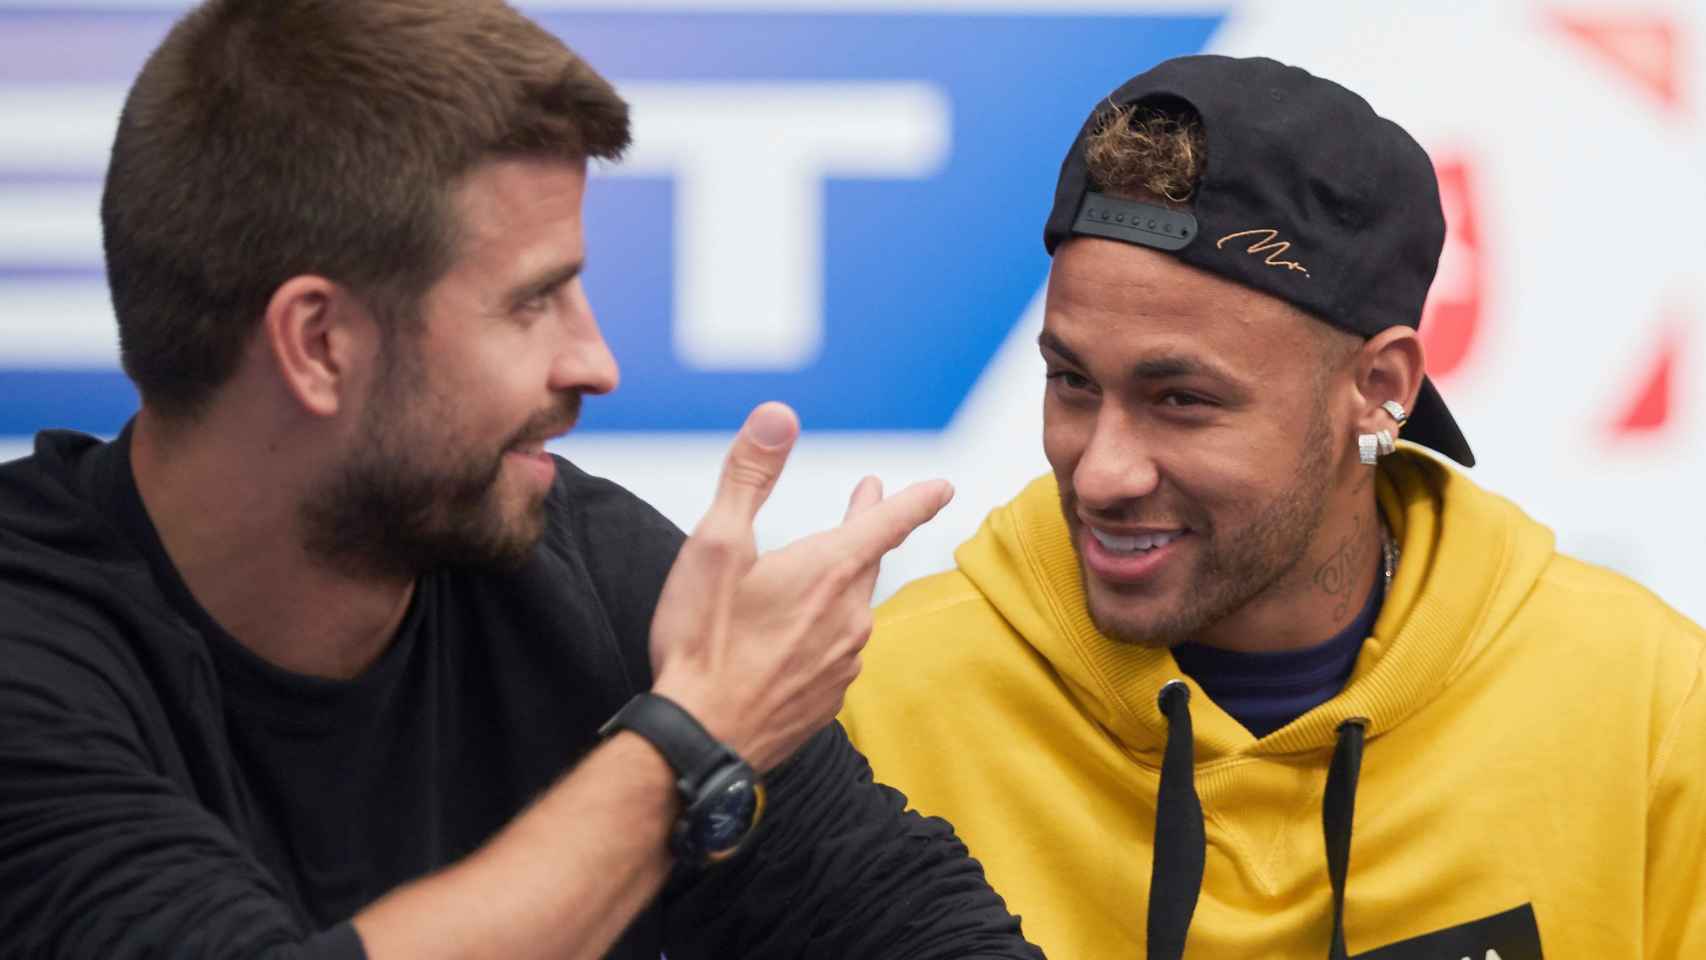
point(388, 513)
point(1249, 561)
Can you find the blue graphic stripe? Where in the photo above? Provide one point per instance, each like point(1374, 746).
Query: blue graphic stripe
point(922, 279)
point(97, 401)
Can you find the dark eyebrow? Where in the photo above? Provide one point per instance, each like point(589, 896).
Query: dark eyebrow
point(1170, 366)
point(1048, 341)
point(543, 284)
point(1164, 367)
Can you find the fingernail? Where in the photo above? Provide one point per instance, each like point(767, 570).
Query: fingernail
point(771, 425)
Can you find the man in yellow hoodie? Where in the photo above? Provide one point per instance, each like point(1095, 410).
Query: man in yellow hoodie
point(1244, 677)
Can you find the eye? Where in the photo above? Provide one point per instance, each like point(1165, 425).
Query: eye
point(1177, 399)
point(1069, 380)
point(531, 309)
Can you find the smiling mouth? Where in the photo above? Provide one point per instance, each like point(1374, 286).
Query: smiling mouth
point(1133, 544)
point(547, 425)
point(535, 446)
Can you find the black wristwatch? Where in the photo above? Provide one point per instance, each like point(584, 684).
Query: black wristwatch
point(721, 797)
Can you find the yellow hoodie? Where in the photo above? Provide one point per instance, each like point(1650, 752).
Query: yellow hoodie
point(1533, 781)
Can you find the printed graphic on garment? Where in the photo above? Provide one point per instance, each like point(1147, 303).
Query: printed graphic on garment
point(1511, 935)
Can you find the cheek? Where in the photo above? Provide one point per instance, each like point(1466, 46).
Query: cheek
point(440, 418)
point(1204, 490)
point(1232, 476)
point(489, 386)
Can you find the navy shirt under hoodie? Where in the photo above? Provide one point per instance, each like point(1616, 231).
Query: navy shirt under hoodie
point(1264, 691)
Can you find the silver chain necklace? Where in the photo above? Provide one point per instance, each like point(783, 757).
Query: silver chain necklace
point(1389, 553)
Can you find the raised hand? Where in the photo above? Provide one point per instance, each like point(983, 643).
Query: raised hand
point(761, 649)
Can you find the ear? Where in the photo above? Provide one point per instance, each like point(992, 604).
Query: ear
point(1388, 367)
point(315, 337)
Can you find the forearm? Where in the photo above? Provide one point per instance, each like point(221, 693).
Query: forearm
point(841, 870)
point(563, 880)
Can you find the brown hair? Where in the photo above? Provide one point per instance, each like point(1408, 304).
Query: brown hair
point(1157, 151)
point(1145, 151)
point(267, 139)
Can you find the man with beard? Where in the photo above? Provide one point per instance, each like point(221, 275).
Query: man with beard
point(324, 656)
point(1245, 677)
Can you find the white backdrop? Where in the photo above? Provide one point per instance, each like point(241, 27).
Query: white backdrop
point(1566, 331)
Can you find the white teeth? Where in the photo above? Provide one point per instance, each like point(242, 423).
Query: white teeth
point(1133, 544)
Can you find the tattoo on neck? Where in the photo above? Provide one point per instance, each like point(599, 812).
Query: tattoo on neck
point(1337, 575)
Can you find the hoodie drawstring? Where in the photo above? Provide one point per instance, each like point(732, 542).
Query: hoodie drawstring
point(1338, 808)
point(1175, 878)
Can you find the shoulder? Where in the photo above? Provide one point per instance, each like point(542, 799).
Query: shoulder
point(1638, 649)
point(80, 654)
point(1607, 631)
point(84, 630)
point(46, 494)
point(935, 635)
point(69, 580)
point(1593, 605)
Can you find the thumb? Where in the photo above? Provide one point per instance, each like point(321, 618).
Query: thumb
point(753, 464)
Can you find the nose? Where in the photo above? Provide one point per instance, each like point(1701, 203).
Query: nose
point(583, 362)
point(1117, 465)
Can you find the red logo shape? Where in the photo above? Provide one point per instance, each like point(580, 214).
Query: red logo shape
point(1649, 409)
point(1451, 320)
point(1642, 48)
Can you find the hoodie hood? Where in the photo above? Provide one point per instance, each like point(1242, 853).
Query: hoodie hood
point(1455, 586)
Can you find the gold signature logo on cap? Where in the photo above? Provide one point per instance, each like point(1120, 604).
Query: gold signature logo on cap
point(1267, 241)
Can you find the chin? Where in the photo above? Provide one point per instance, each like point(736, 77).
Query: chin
point(499, 534)
point(521, 530)
point(1159, 616)
point(1125, 625)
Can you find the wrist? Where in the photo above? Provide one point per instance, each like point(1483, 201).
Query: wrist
point(721, 796)
point(648, 767)
point(704, 703)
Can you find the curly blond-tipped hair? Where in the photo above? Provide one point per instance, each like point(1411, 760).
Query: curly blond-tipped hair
point(1142, 151)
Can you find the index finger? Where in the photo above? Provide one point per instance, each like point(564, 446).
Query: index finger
point(881, 527)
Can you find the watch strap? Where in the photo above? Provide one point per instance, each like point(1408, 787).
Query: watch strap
point(684, 742)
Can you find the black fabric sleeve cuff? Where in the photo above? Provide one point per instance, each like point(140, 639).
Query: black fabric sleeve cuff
point(339, 943)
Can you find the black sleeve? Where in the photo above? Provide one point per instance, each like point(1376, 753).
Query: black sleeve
point(100, 854)
point(838, 868)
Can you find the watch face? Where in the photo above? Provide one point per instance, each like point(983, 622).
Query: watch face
point(724, 814)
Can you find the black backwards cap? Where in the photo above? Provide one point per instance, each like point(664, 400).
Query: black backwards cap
point(1308, 195)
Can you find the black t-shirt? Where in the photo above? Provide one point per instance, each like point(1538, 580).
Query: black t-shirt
point(163, 792)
